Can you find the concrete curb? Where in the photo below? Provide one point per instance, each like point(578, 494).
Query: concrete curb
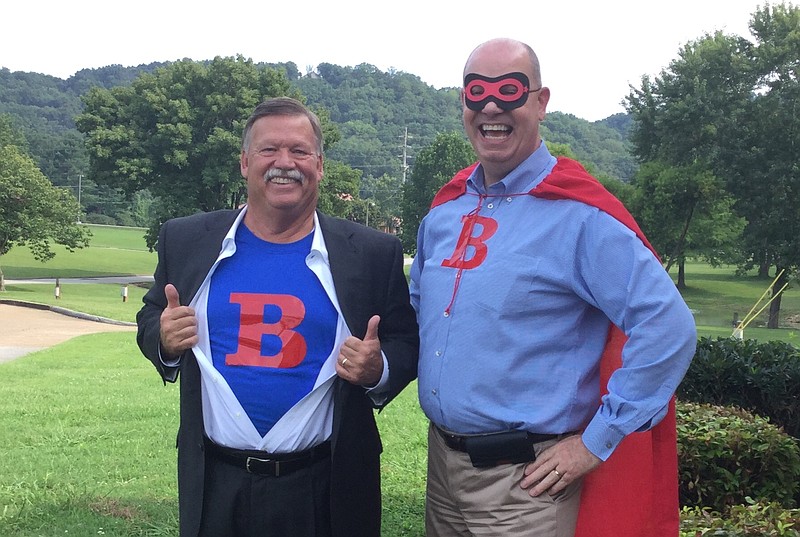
point(64, 311)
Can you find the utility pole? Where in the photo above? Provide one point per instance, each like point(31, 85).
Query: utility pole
point(405, 153)
point(80, 209)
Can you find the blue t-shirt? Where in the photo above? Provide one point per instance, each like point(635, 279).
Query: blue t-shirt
point(271, 325)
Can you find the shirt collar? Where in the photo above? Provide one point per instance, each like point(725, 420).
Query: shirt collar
point(521, 179)
point(317, 242)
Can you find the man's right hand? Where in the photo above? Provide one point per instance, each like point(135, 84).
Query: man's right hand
point(178, 325)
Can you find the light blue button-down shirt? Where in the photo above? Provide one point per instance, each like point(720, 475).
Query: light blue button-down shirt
point(516, 342)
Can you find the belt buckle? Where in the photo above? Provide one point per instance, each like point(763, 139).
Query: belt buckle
point(250, 459)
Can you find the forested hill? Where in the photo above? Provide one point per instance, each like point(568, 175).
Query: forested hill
point(385, 118)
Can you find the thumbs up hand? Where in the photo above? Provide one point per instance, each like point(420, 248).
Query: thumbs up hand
point(360, 360)
point(178, 325)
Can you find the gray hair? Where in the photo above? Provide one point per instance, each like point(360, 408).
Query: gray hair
point(282, 106)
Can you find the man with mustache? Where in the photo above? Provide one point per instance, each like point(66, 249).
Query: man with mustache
point(288, 327)
point(528, 274)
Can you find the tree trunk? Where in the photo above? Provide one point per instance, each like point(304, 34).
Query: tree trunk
point(775, 305)
point(763, 270)
point(682, 274)
point(2, 282)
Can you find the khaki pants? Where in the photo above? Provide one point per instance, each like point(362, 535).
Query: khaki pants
point(462, 500)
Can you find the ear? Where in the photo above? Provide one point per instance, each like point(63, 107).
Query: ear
point(543, 98)
point(243, 163)
point(321, 166)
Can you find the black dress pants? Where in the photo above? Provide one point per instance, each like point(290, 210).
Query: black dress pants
point(237, 503)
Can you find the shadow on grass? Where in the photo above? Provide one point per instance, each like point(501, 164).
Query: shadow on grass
point(92, 515)
point(403, 514)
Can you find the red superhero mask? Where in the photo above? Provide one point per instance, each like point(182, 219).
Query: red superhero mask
point(507, 91)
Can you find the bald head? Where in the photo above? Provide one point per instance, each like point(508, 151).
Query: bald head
point(505, 105)
point(506, 48)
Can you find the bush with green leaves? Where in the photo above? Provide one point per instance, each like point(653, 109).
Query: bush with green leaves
point(726, 455)
point(754, 519)
point(763, 378)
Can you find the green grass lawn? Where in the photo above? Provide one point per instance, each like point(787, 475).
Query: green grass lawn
point(88, 435)
point(88, 430)
point(113, 251)
point(101, 299)
point(715, 294)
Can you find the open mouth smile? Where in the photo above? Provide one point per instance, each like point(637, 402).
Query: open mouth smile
point(495, 130)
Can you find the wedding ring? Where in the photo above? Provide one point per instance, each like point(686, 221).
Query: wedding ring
point(344, 361)
point(558, 474)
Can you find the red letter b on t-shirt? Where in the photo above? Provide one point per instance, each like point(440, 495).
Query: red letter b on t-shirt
point(252, 327)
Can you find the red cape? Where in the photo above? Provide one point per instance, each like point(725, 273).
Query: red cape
point(635, 492)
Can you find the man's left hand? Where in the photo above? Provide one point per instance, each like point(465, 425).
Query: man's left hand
point(360, 360)
point(558, 466)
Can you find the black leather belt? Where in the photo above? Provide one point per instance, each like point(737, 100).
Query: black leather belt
point(458, 442)
point(270, 464)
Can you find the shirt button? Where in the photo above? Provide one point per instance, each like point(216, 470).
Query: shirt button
point(508, 199)
point(433, 392)
point(438, 353)
point(608, 445)
point(491, 206)
point(447, 314)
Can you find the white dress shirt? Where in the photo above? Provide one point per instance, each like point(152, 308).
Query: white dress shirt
point(307, 423)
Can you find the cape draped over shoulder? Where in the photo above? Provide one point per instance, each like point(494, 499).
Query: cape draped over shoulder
point(635, 492)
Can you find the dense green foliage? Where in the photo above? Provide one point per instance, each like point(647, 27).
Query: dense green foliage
point(729, 108)
point(177, 133)
point(435, 166)
point(44, 107)
point(763, 378)
point(33, 212)
point(685, 209)
point(385, 119)
point(753, 519)
point(726, 455)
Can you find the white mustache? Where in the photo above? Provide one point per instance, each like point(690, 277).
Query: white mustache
point(296, 175)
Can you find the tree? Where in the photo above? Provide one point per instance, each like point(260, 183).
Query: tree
point(382, 196)
point(338, 189)
point(767, 180)
point(435, 165)
point(177, 133)
point(729, 105)
point(682, 210)
point(33, 212)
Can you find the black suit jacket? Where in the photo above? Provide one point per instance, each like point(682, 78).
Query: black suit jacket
point(367, 270)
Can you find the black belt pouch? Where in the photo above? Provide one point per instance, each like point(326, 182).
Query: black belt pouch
point(487, 450)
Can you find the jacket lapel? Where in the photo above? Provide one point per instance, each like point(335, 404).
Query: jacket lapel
point(343, 254)
point(204, 251)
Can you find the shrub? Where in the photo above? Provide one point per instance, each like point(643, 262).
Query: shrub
point(726, 455)
point(97, 218)
point(763, 378)
point(756, 519)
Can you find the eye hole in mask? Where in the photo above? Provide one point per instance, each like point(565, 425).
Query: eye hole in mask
point(508, 91)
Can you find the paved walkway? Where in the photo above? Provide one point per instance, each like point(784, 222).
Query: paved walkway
point(102, 279)
point(29, 329)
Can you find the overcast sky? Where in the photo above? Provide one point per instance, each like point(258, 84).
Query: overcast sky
point(590, 51)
